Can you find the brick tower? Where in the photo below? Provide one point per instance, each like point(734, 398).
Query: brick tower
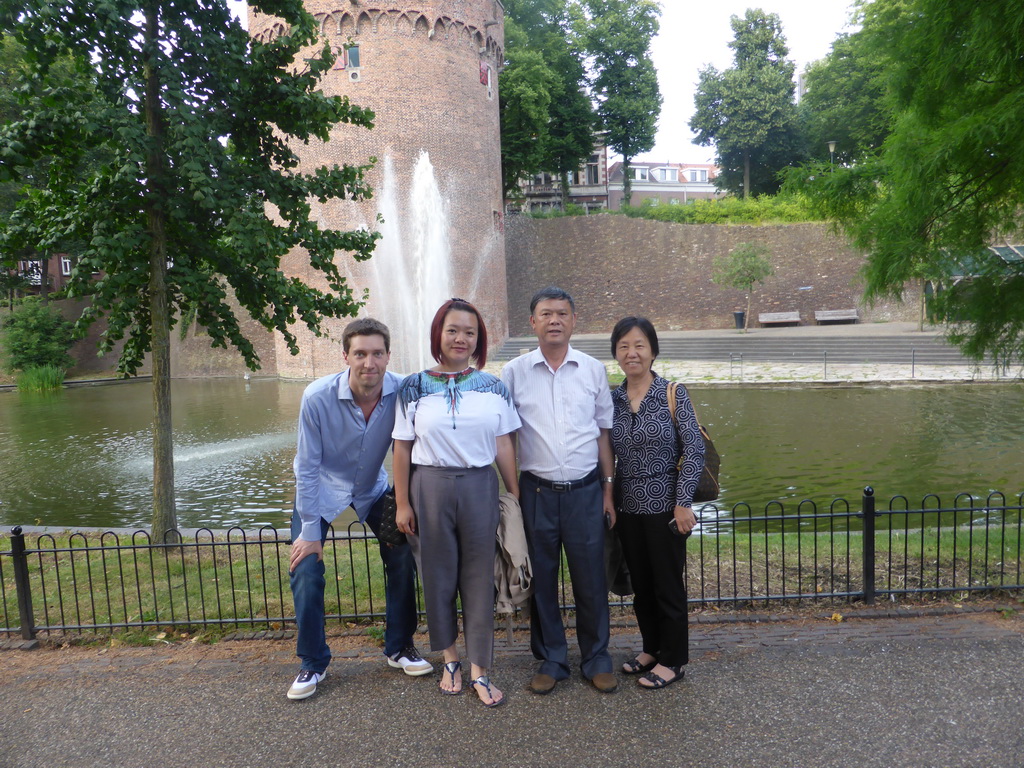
point(429, 70)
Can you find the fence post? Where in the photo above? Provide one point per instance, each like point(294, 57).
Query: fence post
point(868, 513)
point(21, 585)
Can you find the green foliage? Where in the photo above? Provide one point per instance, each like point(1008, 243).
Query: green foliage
point(618, 36)
point(40, 379)
point(212, 166)
point(547, 119)
point(845, 103)
point(746, 266)
point(747, 111)
point(35, 335)
point(949, 179)
point(766, 209)
point(525, 95)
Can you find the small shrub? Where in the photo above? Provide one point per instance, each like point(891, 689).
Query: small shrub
point(35, 335)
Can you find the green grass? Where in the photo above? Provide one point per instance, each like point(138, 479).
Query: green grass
point(90, 582)
point(43, 378)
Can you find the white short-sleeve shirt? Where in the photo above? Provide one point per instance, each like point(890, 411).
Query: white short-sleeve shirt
point(463, 436)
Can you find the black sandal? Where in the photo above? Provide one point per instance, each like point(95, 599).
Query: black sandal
point(657, 681)
point(634, 667)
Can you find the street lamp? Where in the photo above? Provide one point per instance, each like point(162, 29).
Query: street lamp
point(831, 152)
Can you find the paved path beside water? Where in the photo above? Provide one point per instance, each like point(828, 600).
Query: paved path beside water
point(918, 690)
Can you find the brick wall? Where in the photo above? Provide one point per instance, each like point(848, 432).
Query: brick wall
point(616, 266)
point(420, 72)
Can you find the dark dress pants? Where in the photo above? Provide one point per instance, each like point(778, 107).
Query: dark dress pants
point(656, 558)
point(573, 520)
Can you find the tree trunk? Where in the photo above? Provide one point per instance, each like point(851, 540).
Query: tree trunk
point(920, 320)
point(627, 181)
point(565, 192)
point(746, 174)
point(746, 315)
point(44, 279)
point(164, 516)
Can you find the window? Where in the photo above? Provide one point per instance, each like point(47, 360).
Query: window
point(594, 170)
point(639, 174)
point(696, 175)
point(667, 174)
point(673, 201)
point(352, 56)
point(65, 266)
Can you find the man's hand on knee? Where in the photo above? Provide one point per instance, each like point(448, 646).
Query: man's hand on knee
point(303, 549)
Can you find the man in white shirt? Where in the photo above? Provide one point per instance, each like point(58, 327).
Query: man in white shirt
point(566, 468)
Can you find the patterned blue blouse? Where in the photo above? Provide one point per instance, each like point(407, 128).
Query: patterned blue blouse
point(647, 448)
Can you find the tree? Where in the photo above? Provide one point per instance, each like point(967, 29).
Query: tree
point(525, 98)
point(743, 268)
point(203, 194)
point(36, 335)
point(547, 118)
point(747, 111)
point(624, 81)
point(845, 103)
point(20, 94)
point(949, 179)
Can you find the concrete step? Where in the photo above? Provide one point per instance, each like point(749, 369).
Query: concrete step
point(877, 349)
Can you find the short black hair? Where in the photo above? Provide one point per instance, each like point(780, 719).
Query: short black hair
point(627, 324)
point(551, 292)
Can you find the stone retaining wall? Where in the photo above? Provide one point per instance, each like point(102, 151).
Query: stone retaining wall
point(616, 266)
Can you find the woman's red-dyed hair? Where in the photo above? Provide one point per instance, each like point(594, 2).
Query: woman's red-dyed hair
point(437, 325)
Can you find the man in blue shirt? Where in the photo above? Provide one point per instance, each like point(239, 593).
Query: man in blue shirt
point(345, 425)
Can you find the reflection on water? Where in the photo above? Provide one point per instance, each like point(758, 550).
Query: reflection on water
point(82, 457)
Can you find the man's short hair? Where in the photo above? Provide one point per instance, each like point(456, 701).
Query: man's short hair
point(365, 326)
point(551, 292)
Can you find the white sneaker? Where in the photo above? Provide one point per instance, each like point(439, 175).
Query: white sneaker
point(410, 661)
point(305, 684)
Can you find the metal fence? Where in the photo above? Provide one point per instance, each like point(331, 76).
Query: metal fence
point(103, 582)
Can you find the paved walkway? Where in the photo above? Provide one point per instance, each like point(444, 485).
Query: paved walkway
point(726, 357)
point(853, 690)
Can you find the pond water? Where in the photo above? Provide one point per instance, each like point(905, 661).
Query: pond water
point(82, 456)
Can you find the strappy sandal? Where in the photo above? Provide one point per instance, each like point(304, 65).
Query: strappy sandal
point(657, 681)
point(634, 667)
point(452, 668)
point(486, 683)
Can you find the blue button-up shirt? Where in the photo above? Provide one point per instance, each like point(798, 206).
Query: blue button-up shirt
point(340, 458)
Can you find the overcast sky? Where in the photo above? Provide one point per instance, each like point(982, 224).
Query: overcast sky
point(697, 33)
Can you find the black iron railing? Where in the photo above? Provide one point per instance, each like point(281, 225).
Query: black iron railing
point(97, 583)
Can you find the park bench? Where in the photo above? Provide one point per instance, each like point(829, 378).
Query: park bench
point(778, 318)
point(835, 316)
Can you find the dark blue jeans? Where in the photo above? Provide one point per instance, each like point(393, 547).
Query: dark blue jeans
point(308, 585)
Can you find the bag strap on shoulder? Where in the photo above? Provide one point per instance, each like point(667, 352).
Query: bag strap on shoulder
point(671, 393)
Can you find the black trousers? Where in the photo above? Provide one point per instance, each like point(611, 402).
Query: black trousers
point(656, 558)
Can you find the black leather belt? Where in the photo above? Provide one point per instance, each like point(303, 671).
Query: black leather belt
point(562, 487)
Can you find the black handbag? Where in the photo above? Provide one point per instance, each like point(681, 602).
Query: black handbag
point(707, 487)
point(388, 531)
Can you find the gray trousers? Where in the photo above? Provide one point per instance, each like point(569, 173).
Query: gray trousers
point(457, 520)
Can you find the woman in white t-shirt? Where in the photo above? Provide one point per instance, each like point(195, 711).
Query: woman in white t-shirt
point(453, 422)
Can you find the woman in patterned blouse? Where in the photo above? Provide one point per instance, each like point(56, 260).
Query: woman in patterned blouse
point(658, 463)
